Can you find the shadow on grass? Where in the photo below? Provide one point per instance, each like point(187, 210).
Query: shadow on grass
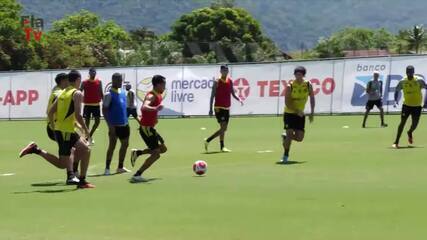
point(214, 152)
point(289, 163)
point(147, 181)
point(405, 147)
point(48, 184)
point(103, 175)
point(49, 191)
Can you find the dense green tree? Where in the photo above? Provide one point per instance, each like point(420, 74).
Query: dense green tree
point(231, 32)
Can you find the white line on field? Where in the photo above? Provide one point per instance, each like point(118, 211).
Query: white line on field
point(264, 151)
point(7, 174)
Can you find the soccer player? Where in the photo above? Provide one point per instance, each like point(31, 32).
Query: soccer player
point(61, 81)
point(66, 110)
point(412, 103)
point(222, 90)
point(156, 146)
point(297, 93)
point(114, 110)
point(92, 89)
point(131, 102)
point(374, 90)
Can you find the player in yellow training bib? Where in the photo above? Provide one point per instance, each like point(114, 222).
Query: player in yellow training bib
point(412, 102)
point(297, 93)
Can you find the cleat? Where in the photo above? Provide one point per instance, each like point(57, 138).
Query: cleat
point(226, 150)
point(395, 146)
point(137, 179)
point(384, 125)
point(284, 160)
point(85, 185)
point(73, 181)
point(122, 170)
point(29, 149)
point(133, 157)
point(107, 172)
point(206, 143)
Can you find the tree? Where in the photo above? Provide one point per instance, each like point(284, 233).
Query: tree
point(353, 39)
point(84, 40)
point(232, 33)
point(416, 38)
point(15, 52)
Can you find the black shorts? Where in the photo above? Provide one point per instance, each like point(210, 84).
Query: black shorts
point(414, 112)
point(50, 133)
point(371, 103)
point(66, 142)
point(293, 121)
point(151, 138)
point(89, 111)
point(222, 115)
point(132, 111)
point(122, 132)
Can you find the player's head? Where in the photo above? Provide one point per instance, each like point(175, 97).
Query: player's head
point(74, 78)
point(117, 80)
point(410, 71)
point(159, 83)
point(61, 80)
point(92, 73)
point(128, 87)
point(376, 75)
point(299, 72)
point(224, 71)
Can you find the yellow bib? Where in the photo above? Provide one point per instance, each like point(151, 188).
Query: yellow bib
point(299, 95)
point(412, 94)
point(65, 118)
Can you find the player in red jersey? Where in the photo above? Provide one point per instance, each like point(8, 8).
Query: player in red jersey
point(222, 90)
point(92, 89)
point(149, 111)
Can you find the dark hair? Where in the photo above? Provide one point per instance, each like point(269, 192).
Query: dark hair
point(117, 76)
point(157, 79)
point(73, 76)
point(92, 69)
point(300, 69)
point(410, 68)
point(59, 77)
point(224, 67)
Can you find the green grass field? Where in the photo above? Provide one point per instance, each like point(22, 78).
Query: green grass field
point(349, 184)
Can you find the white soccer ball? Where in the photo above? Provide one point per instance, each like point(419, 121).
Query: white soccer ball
point(200, 167)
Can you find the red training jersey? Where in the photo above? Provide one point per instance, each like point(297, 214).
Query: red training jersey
point(149, 118)
point(92, 91)
point(223, 93)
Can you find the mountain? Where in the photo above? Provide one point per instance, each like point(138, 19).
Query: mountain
point(292, 24)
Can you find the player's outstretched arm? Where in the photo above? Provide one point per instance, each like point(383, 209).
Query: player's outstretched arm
point(105, 107)
point(233, 93)
point(396, 93)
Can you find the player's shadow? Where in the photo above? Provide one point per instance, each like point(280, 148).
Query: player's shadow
point(214, 152)
point(103, 175)
point(289, 163)
point(49, 191)
point(405, 147)
point(48, 184)
point(147, 181)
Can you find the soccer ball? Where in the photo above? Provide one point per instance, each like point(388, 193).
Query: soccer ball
point(200, 167)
